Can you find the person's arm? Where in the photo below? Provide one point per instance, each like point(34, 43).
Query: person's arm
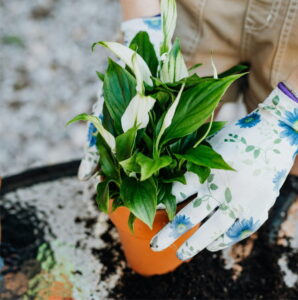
point(139, 8)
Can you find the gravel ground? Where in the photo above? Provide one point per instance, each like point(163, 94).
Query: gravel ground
point(47, 76)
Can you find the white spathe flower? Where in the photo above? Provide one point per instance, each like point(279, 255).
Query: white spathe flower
point(173, 67)
point(126, 55)
point(170, 114)
point(138, 74)
point(169, 18)
point(106, 135)
point(215, 74)
point(137, 112)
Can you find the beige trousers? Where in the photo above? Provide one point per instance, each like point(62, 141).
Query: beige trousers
point(262, 33)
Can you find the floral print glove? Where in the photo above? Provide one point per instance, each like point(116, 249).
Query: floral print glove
point(261, 147)
point(129, 28)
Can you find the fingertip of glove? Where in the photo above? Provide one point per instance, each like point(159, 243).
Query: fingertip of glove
point(153, 244)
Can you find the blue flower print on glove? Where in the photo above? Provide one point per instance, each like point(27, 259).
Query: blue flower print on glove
point(91, 137)
point(241, 229)
point(154, 23)
point(290, 129)
point(180, 225)
point(249, 121)
point(278, 179)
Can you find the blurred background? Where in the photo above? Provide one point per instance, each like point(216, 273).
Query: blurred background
point(47, 76)
point(55, 244)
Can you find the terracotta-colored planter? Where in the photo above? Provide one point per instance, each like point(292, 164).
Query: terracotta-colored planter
point(137, 246)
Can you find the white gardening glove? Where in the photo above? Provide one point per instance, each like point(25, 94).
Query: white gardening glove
point(130, 28)
point(261, 147)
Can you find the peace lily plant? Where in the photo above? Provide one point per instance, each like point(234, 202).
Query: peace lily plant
point(156, 118)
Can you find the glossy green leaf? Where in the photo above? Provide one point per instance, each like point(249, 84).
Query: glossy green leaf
point(234, 70)
point(196, 106)
point(149, 166)
point(106, 160)
point(189, 141)
point(202, 172)
point(166, 197)
point(206, 157)
point(119, 88)
point(130, 165)
point(125, 144)
point(140, 197)
point(103, 196)
point(100, 76)
point(106, 135)
point(142, 45)
point(131, 220)
point(175, 177)
point(215, 127)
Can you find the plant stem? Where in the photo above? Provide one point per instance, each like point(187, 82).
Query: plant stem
point(207, 131)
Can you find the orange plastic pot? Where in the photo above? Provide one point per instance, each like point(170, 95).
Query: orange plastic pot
point(136, 246)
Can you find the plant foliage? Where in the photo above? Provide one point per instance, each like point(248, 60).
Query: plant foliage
point(154, 123)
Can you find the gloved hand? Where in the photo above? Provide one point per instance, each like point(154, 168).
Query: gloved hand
point(129, 28)
point(261, 147)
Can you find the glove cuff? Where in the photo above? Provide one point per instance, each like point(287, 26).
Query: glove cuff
point(283, 104)
point(151, 25)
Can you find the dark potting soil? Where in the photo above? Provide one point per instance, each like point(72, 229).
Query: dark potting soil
point(205, 277)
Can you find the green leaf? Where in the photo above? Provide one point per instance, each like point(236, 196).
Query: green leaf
point(215, 127)
point(142, 45)
point(119, 88)
point(249, 148)
point(102, 196)
point(194, 67)
point(189, 141)
point(106, 161)
point(106, 135)
point(101, 76)
point(107, 121)
point(116, 203)
point(175, 177)
point(196, 106)
point(234, 70)
point(197, 202)
point(130, 165)
point(228, 195)
point(140, 197)
point(166, 197)
point(213, 186)
point(206, 157)
point(162, 99)
point(131, 220)
point(202, 172)
point(125, 144)
point(149, 166)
